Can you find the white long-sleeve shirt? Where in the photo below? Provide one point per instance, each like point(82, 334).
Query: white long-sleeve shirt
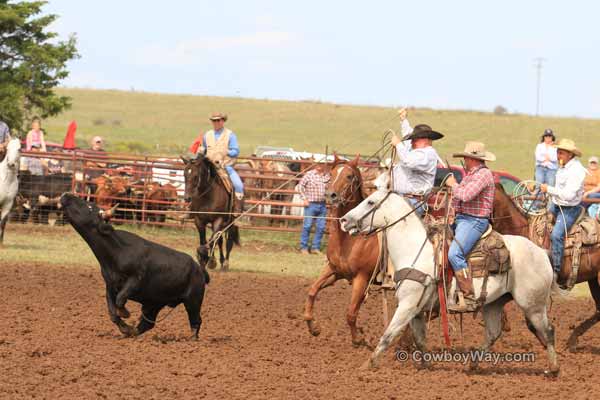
point(568, 190)
point(541, 151)
point(414, 172)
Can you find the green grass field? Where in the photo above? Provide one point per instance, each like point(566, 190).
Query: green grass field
point(167, 124)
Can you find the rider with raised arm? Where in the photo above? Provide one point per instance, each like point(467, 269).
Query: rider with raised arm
point(416, 164)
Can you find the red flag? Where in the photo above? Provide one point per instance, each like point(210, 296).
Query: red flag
point(69, 142)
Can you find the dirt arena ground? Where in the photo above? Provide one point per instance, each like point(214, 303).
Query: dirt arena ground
point(56, 342)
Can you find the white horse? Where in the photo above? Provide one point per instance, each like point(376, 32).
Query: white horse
point(529, 281)
point(9, 184)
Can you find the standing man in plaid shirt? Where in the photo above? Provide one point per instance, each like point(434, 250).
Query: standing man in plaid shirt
point(312, 190)
point(472, 200)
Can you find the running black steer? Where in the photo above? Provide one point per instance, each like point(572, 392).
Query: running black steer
point(137, 269)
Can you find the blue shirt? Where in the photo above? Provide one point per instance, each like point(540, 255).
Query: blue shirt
point(234, 148)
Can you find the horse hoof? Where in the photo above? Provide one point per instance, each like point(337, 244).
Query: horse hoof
point(359, 342)
point(552, 373)
point(128, 331)
point(225, 266)
point(313, 328)
point(212, 263)
point(368, 365)
point(123, 312)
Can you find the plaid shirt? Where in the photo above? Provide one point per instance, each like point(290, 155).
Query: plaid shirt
point(475, 194)
point(312, 186)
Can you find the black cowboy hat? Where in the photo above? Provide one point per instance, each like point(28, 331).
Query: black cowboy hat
point(423, 131)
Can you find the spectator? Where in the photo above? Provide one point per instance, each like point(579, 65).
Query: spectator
point(546, 162)
point(35, 135)
point(94, 168)
point(35, 165)
point(591, 184)
point(312, 190)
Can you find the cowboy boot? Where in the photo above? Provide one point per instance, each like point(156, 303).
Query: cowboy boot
point(466, 295)
point(238, 205)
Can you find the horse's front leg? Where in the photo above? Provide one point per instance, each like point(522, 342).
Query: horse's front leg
point(202, 251)
point(359, 285)
point(4, 212)
point(215, 239)
point(409, 293)
point(327, 278)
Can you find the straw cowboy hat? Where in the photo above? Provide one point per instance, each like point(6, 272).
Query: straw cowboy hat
point(423, 131)
point(568, 145)
point(218, 116)
point(477, 151)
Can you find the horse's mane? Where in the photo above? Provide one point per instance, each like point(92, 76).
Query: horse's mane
point(210, 166)
point(500, 190)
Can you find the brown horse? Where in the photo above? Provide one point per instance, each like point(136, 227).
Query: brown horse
point(507, 217)
point(208, 195)
point(349, 257)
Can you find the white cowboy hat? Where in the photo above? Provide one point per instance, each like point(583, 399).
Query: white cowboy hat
point(477, 151)
point(568, 145)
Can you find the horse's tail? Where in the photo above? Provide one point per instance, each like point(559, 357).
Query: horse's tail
point(233, 234)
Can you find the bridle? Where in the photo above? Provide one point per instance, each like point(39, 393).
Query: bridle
point(376, 207)
point(348, 191)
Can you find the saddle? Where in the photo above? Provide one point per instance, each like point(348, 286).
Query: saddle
point(583, 237)
point(489, 256)
point(224, 177)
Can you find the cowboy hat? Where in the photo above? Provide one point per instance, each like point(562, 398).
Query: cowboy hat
point(568, 145)
point(477, 151)
point(423, 131)
point(218, 116)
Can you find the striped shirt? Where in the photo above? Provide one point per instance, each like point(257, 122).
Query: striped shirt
point(475, 194)
point(312, 186)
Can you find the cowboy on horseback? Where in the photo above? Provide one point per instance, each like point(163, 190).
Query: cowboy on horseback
point(565, 198)
point(4, 138)
point(472, 200)
point(220, 145)
point(414, 173)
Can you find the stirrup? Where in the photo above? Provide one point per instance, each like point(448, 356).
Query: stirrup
point(464, 305)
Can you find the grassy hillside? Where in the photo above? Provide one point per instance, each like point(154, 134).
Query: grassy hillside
point(167, 124)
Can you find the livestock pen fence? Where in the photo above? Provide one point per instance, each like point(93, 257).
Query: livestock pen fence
point(150, 190)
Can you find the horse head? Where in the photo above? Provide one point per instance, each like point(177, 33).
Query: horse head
point(198, 173)
point(375, 212)
point(345, 183)
point(13, 153)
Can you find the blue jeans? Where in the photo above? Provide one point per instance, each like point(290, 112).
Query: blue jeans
point(314, 209)
point(413, 202)
point(467, 231)
point(591, 196)
point(236, 181)
point(545, 175)
point(564, 222)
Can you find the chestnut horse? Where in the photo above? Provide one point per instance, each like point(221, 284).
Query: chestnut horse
point(348, 257)
point(508, 217)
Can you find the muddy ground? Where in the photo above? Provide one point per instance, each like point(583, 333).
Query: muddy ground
point(56, 341)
